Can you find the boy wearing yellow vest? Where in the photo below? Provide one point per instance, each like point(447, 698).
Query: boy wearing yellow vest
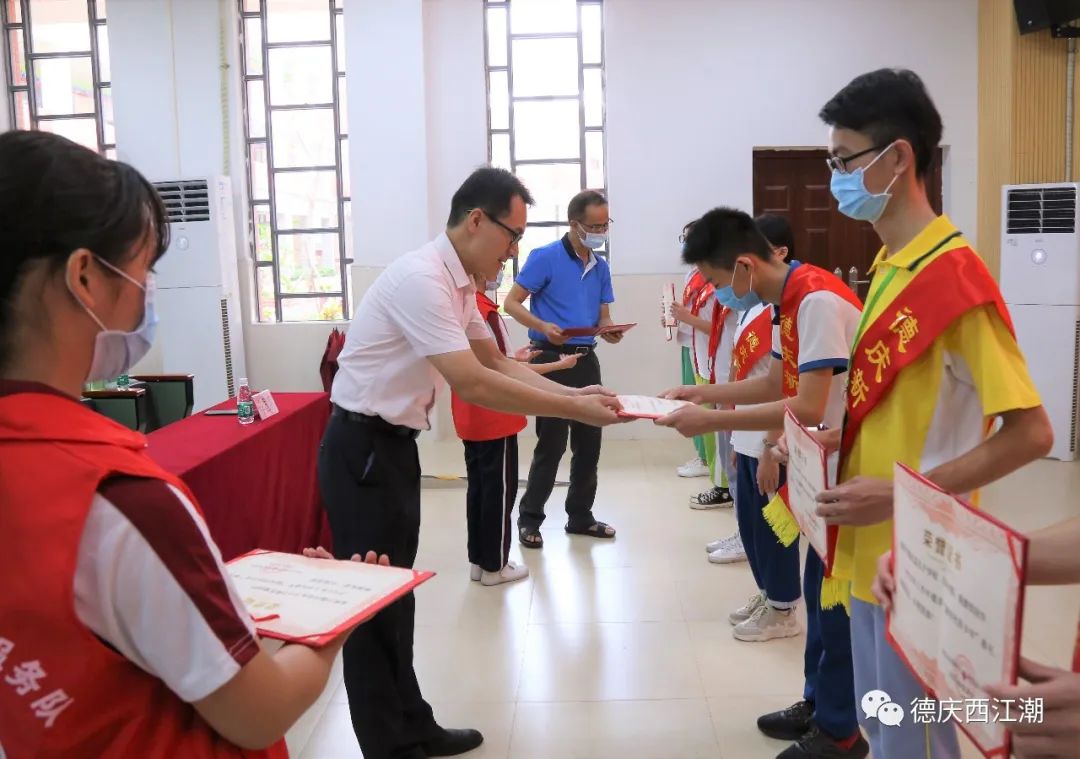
point(815, 323)
point(934, 366)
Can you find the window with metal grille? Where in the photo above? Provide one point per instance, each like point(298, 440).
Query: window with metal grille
point(295, 122)
point(58, 69)
point(545, 85)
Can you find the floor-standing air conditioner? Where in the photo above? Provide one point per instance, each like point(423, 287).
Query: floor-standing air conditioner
point(1040, 279)
point(201, 331)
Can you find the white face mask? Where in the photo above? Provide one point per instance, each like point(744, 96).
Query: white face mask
point(493, 285)
point(116, 351)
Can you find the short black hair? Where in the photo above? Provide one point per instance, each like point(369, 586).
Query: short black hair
point(575, 211)
point(57, 197)
point(488, 189)
point(777, 230)
point(888, 105)
point(721, 236)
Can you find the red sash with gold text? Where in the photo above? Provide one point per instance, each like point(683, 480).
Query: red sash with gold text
point(693, 287)
point(700, 299)
point(755, 343)
point(910, 324)
point(804, 280)
point(719, 316)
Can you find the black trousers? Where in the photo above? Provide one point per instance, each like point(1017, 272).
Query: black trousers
point(370, 483)
point(492, 468)
point(551, 444)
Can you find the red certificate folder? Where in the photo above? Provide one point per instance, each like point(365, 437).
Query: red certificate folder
point(958, 608)
point(596, 331)
point(311, 601)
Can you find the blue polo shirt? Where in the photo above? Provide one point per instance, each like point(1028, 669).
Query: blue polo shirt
point(564, 290)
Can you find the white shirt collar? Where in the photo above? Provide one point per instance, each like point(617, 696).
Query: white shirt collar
point(452, 262)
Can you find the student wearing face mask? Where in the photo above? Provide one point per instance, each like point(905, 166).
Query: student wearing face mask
point(938, 382)
point(813, 327)
point(491, 456)
point(124, 635)
point(568, 285)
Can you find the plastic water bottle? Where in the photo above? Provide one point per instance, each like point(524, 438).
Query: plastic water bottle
point(245, 407)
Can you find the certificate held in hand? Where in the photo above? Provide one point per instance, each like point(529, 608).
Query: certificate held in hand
point(597, 331)
point(312, 601)
point(810, 471)
point(958, 603)
point(647, 407)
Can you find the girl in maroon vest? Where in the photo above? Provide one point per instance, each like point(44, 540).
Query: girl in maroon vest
point(121, 634)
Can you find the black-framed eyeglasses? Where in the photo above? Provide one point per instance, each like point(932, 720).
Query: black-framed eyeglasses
point(597, 228)
point(515, 236)
point(839, 163)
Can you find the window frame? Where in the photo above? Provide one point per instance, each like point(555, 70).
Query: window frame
point(583, 127)
point(96, 22)
point(338, 75)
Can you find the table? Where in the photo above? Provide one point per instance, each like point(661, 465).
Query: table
point(256, 484)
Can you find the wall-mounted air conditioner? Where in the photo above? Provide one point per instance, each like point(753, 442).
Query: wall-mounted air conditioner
point(201, 330)
point(1040, 279)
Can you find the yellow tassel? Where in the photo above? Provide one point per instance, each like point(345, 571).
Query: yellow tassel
point(779, 518)
point(835, 592)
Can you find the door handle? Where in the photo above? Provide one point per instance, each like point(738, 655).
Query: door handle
point(853, 278)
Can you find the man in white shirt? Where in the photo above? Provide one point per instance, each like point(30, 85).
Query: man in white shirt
point(417, 329)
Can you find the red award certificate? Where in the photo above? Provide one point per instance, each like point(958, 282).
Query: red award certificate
point(312, 601)
point(959, 600)
point(596, 331)
point(809, 472)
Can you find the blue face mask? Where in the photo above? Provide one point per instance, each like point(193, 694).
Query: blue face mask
point(856, 202)
point(726, 296)
point(116, 351)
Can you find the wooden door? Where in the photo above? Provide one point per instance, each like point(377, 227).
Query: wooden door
point(795, 183)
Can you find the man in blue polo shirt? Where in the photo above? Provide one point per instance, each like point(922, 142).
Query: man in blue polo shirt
point(568, 286)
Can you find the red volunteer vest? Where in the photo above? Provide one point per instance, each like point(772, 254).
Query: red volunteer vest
point(477, 423)
point(803, 280)
point(84, 699)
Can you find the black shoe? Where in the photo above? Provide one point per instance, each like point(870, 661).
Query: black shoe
point(452, 742)
point(713, 498)
point(789, 724)
point(817, 745)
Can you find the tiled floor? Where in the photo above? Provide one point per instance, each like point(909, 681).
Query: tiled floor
point(622, 650)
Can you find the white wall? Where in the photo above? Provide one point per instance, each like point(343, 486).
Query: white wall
point(692, 90)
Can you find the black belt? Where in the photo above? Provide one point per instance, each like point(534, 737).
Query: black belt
point(376, 422)
point(563, 349)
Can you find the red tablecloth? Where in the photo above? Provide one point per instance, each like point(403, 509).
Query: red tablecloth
point(256, 484)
